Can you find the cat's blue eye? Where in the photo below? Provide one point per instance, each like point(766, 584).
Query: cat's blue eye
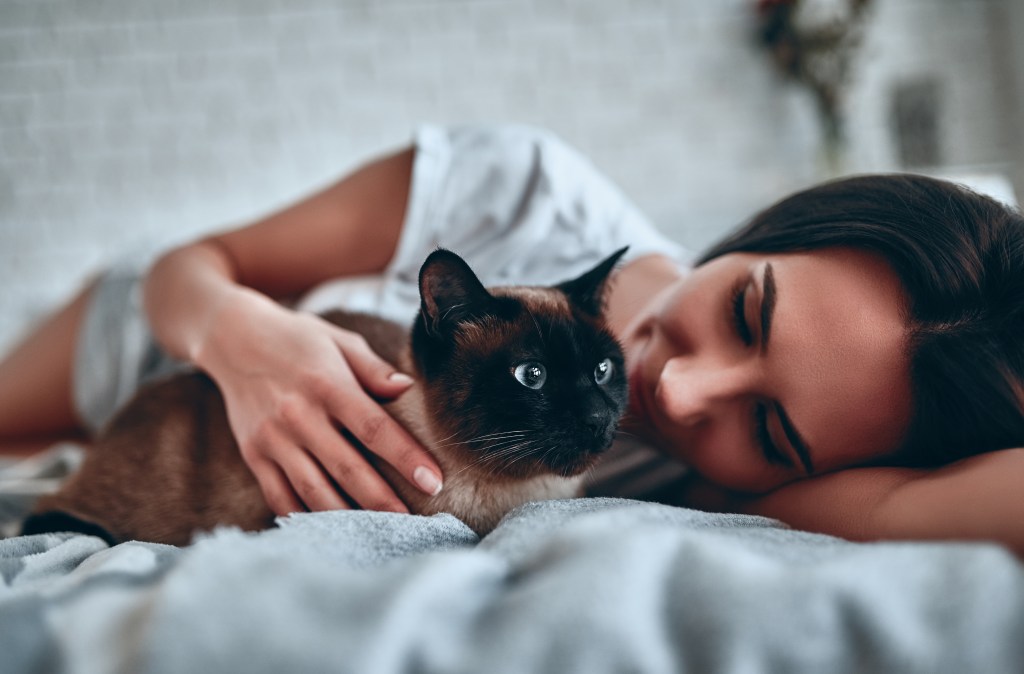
point(531, 375)
point(603, 371)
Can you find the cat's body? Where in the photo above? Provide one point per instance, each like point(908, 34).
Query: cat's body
point(167, 465)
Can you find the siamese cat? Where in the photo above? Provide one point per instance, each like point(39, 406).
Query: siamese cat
point(517, 391)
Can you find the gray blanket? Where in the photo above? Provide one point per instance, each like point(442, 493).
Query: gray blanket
point(591, 585)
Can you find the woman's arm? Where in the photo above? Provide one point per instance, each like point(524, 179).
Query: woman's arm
point(979, 498)
point(351, 227)
point(289, 379)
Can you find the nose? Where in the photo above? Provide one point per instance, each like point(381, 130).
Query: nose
point(690, 390)
point(597, 423)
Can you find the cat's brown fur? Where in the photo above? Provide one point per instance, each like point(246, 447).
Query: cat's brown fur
point(167, 465)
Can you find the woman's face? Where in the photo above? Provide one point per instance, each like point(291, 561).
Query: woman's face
point(760, 369)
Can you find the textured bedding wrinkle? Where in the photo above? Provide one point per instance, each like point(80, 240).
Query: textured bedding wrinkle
point(583, 585)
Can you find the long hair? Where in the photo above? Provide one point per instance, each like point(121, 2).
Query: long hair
point(960, 258)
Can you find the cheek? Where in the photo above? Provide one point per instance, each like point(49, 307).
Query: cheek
point(725, 456)
point(716, 451)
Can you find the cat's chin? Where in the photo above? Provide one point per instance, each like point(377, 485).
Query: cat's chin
point(565, 465)
point(575, 465)
point(575, 469)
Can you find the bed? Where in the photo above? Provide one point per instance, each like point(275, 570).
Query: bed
point(586, 585)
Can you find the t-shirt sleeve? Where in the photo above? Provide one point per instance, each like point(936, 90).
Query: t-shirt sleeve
point(519, 204)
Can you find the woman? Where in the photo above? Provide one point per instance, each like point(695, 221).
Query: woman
point(862, 323)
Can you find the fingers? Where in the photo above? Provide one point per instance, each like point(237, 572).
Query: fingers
point(287, 427)
point(310, 484)
point(374, 373)
point(276, 491)
point(386, 438)
point(290, 479)
point(360, 481)
point(293, 480)
point(374, 427)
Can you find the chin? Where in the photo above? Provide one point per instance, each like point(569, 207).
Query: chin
point(568, 465)
point(571, 466)
point(752, 485)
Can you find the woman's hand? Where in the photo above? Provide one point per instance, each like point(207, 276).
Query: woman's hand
point(291, 381)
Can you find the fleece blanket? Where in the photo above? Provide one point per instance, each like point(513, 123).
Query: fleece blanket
point(588, 585)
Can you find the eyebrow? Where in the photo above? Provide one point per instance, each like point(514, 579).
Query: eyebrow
point(768, 297)
point(768, 294)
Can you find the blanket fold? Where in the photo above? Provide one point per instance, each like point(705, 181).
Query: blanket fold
point(587, 585)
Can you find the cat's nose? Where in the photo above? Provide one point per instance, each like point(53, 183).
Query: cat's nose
point(600, 426)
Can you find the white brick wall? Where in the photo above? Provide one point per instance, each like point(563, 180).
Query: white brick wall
point(134, 124)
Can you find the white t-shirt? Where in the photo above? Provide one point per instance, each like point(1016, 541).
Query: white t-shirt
point(517, 203)
point(521, 207)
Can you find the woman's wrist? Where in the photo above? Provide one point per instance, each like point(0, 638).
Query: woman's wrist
point(186, 294)
point(237, 315)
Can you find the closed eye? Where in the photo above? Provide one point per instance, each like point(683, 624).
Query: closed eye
point(764, 438)
point(739, 312)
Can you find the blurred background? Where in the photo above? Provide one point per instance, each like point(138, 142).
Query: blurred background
point(130, 125)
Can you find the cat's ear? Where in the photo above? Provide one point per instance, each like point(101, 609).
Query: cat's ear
point(587, 291)
point(450, 292)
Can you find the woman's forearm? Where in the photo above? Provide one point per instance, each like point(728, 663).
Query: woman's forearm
point(292, 381)
point(979, 498)
point(350, 227)
point(842, 504)
point(184, 293)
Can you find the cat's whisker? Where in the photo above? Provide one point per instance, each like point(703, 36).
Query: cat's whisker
point(476, 464)
point(498, 438)
point(546, 452)
point(492, 456)
point(489, 435)
point(505, 451)
point(528, 450)
point(502, 456)
point(499, 451)
point(484, 448)
point(499, 435)
point(524, 452)
point(482, 438)
point(440, 440)
point(470, 442)
point(500, 443)
point(508, 465)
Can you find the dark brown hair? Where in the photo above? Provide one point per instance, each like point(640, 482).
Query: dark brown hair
point(960, 257)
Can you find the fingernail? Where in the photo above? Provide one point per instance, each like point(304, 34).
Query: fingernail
point(427, 480)
point(400, 378)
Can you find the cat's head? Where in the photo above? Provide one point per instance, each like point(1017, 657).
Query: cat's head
point(524, 380)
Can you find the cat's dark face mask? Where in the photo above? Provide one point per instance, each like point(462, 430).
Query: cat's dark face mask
point(527, 380)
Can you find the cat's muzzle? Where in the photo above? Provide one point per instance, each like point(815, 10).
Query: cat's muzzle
point(578, 451)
